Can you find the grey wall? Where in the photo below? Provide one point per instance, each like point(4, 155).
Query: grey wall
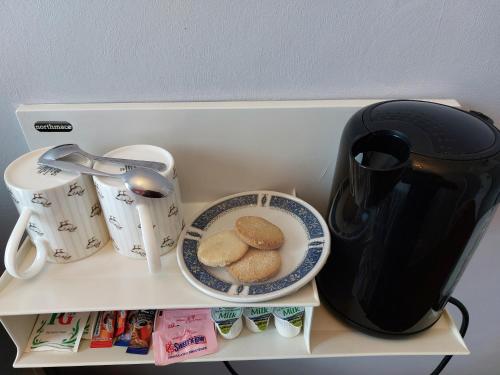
point(89, 51)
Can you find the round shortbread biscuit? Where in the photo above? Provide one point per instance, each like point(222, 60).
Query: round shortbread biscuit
point(221, 249)
point(259, 233)
point(256, 265)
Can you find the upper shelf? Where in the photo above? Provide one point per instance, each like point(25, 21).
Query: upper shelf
point(108, 281)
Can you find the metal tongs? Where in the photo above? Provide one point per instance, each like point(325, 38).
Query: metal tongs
point(143, 179)
point(70, 150)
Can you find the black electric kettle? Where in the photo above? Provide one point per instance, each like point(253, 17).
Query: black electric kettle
point(415, 186)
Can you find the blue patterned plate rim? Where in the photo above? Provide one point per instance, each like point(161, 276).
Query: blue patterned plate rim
point(317, 251)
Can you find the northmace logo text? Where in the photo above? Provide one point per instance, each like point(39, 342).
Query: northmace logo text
point(53, 126)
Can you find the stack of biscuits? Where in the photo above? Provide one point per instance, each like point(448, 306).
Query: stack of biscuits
point(249, 251)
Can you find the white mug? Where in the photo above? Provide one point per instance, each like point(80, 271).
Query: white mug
point(141, 228)
point(59, 209)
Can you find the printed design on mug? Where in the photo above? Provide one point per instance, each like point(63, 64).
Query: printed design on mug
point(13, 196)
point(140, 226)
point(95, 210)
point(50, 171)
point(38, 198)
point(115, 245)
point(113, 220)
point(98, 190)
point(167, 241)
point(137, 249)
point(173, 210)
point(126, 168)
point(75, 189)
point(34, 228)
point(60, 253)
point(183, 225)
point(93, 242)
point(66, 226)
point(124, 197)
point(174, 174)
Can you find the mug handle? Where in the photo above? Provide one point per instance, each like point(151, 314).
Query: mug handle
point(150, 244)
point(41, 245)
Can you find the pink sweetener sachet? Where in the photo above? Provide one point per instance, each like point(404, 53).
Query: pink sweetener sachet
point(183, 334)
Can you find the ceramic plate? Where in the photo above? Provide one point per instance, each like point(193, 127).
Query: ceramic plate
point(306, 247)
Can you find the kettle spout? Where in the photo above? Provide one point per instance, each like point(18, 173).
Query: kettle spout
point(377, 163)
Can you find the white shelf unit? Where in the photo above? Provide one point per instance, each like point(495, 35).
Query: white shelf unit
point(107, 281)
point(220, 149)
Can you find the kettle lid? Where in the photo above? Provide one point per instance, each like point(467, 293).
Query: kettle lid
point(436, 130)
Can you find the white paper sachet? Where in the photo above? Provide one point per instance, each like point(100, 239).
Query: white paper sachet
point(58, 331)
point(89, 326)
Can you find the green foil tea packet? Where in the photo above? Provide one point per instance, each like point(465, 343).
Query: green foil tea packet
point(58, 331)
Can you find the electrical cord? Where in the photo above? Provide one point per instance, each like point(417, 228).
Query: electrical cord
point(230, 368)
point(463, 329)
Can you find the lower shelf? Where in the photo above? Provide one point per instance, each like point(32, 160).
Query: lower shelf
point(329, 338)
point(247, 346)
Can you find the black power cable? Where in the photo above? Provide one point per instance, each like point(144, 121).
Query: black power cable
point(230, 368)
point(463, 329)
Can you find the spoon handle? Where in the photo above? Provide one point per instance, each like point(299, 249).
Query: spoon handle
point(157, 166)
point(74, 167)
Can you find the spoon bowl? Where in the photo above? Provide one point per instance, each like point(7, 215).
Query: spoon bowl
point(147, 183)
